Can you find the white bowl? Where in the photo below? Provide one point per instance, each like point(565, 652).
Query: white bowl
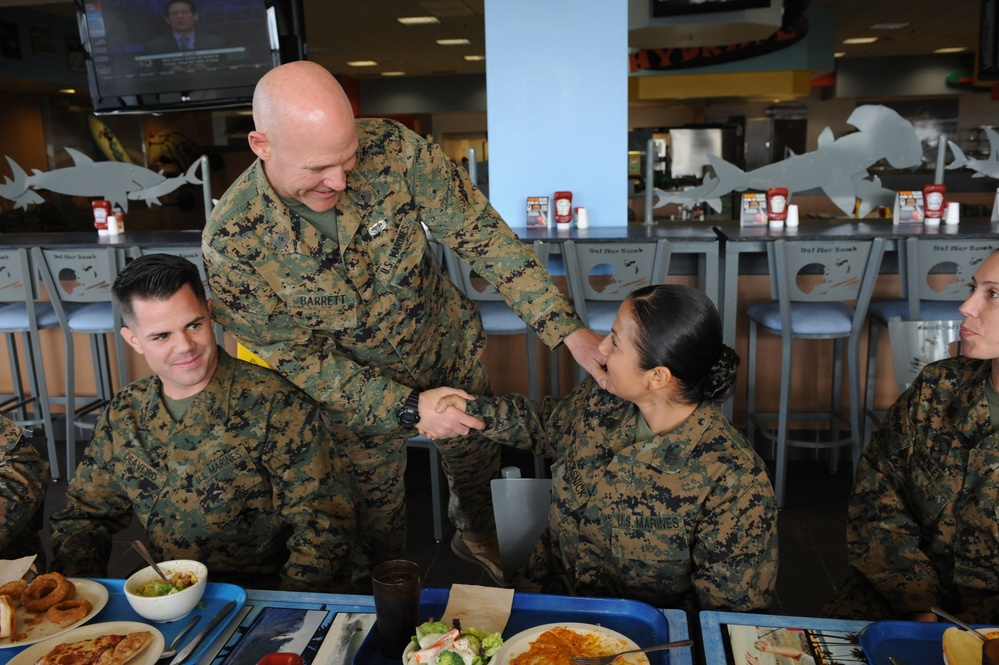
point(171, 607)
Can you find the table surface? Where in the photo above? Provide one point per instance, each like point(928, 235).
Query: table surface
point(341, 623)
point(724, 634)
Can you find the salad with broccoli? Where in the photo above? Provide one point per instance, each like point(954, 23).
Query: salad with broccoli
point(435, 643)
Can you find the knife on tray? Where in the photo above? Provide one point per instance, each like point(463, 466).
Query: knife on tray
point(186, 651)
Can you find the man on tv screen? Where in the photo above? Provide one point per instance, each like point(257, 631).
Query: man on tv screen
point(182, 17)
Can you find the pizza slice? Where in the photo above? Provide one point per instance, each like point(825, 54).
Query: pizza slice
point(100, 650)
point(127, 649)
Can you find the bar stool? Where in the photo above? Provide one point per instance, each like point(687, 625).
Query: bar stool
point(436, 488)
point(498, 318)
point(22, 314)
point(602, 274)
point(934, 274)
point(807, 310)
point(915, 344)
point(79, 282)
point(520, 508)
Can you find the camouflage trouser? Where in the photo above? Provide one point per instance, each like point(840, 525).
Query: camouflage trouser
point(858, 599)
point(469, 464)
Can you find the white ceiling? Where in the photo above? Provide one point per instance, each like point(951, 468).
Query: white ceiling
point(339, 31)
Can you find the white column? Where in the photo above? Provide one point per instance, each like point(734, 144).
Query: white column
point(557, 86)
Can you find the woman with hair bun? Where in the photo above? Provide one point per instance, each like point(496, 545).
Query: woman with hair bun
point(656, 496)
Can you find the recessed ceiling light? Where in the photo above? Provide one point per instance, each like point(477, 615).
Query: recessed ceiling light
point(890, 26)
point(475, 58)
point(68, 91)
point(860, 40)
point(453, 42)
point(952, 49)
point(393, 73)
point(839, 54)
point(361, 63)
point(418, 20)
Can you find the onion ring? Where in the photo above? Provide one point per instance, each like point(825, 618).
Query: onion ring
point(13, 590)
point(47, 590)
point(68, 611)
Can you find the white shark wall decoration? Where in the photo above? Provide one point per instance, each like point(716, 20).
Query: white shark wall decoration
point(982, 167)
point(838, 166)
point(117, 182)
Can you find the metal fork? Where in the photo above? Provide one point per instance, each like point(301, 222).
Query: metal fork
point(605, 660)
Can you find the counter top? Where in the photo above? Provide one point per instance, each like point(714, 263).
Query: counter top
point(841, 229)
point(85, 239)
point(674, 232)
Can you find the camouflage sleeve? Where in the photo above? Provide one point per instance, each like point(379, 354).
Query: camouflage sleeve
point(305, 357)
point(313, 493)
point(883, 536)
point(24, 477)
point(96, 508)
point(516, 421)
point(461, 217)
point(735, 551)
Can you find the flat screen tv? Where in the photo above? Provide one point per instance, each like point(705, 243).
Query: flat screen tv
point(661, 8)
point(139, 59)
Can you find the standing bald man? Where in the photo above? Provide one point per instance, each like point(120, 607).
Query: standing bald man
point(318, 261)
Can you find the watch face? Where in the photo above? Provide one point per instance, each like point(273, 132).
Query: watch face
point(408, 416)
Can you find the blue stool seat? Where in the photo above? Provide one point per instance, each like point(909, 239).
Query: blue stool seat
point(822, 289)
point(14, 318)
point(808, 319)
point(91, 319)
point(929, 310)
point(499, 319)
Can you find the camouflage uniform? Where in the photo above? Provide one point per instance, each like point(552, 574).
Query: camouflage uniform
point(360, 320)
point(923, 526)
point(24, 477)
point(245, 482)
point(687, 519)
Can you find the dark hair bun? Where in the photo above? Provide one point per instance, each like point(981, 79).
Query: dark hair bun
point(719, 384)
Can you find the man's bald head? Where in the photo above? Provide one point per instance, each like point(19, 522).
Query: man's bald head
point(304, 133)
point(298, 93)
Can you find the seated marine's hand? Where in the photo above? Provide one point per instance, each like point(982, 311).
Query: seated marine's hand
point(584, 344)
point(449, 421)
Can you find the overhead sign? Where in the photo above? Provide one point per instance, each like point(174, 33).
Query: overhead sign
point(662, 59)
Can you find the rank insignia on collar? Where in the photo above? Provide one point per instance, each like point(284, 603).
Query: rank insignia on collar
point(362, 196)
point(281, 239)
point(377, 228)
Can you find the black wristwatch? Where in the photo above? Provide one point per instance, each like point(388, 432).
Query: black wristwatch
point(409, 414)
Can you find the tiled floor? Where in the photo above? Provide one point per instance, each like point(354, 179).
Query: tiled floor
point(811, 531)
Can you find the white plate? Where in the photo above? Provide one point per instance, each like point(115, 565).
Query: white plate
point(614, 640)
point(972, 640)
point(147, 656)
point(93, 591)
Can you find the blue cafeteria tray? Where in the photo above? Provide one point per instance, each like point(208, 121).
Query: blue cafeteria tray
point(911, 642)
point(641, 622)
point(215, 598)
